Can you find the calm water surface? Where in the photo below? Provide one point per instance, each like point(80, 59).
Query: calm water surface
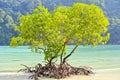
point(99, 57)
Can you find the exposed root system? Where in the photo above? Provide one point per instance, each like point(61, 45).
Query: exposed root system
point(56, 71)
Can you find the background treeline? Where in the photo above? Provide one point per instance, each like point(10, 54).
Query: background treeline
point(11, 10)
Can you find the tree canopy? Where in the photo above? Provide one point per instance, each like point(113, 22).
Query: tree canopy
point(51, 32)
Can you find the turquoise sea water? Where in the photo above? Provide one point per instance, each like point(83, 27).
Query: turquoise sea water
point(99, 57)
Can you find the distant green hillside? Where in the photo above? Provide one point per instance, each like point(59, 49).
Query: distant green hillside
point(11, 10)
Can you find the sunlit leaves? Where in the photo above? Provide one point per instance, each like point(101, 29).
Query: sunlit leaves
point(16, 41)
point(92, 23)
point(79, 24)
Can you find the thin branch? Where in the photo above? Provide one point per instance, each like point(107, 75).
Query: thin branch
point(70, 53)
point(62, 52)
point(43, 49)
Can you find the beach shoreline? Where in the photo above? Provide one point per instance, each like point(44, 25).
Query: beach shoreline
point(103, 74)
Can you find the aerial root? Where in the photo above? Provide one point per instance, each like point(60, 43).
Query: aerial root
point(53, 71)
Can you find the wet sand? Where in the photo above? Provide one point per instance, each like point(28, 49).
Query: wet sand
point(99, 75)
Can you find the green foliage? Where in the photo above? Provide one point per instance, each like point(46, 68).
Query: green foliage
point(16, 41)
point(16, 8)
point(51, 32)
point(10, 11)
point(90, 24)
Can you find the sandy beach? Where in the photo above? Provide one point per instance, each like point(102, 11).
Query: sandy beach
point(101, 75)
point(107, 74)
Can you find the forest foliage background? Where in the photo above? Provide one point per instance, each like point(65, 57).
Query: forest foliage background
point(11, 10)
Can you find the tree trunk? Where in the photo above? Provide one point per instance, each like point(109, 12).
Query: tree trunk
point(61, 56)
point(70, 53)
point(50, 61)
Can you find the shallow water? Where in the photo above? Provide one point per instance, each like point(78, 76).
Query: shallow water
point(99, 57)
point(103, 59)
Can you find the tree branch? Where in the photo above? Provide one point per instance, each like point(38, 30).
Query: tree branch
point(42, 49)
point(70, 53)
point(62, 53)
